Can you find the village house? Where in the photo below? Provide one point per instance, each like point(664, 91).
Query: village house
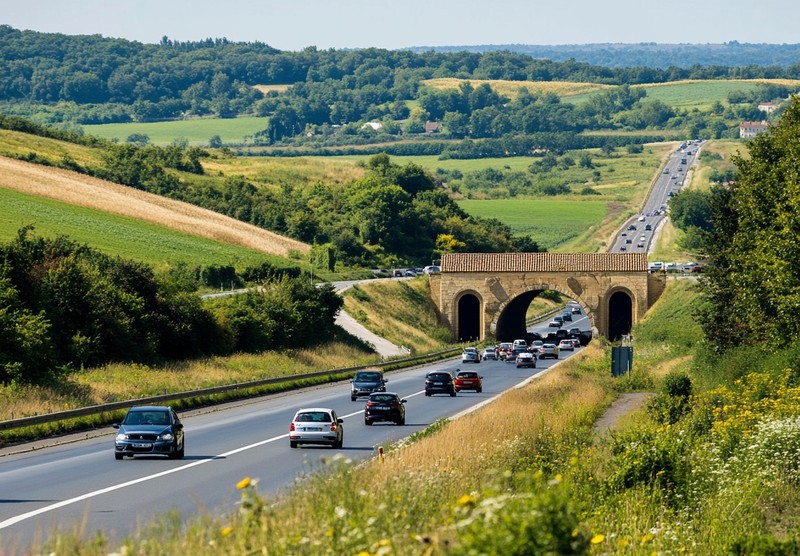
point(748, 130)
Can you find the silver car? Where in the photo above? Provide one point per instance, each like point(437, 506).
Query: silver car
point(470, 355)
point(316, 425)
point(526, 359)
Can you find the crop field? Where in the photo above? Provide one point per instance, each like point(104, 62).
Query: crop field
point(549, 222)
point(118, 235)
point(88, 192)
point(295, 171)
point(197, 131)
point(511, 89)
point(14, 143)
point(700, 94)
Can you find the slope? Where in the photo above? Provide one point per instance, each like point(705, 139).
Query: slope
point(81, 190)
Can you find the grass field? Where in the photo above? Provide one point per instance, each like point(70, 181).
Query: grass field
point(117, 235)
point(700, 94)
point(197, 131)
point(549, 222)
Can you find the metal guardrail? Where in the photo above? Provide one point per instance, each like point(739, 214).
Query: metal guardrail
point(151, 400)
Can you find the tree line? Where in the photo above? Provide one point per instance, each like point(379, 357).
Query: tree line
point(91, 79)
point(65, 306)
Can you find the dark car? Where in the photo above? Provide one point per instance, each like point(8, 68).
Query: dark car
point(149, 430)
point(468, 380)
point(366, 382)
point(385, 406)
point(567, 316)
point(439, 382)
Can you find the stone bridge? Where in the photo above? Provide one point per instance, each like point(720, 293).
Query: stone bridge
point(485, 295)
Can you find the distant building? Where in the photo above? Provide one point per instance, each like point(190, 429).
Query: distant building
point(748, 130)
point(767, 107)
point(376, 126)
point(433, 127)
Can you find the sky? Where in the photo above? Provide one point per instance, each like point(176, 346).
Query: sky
point(395, 24)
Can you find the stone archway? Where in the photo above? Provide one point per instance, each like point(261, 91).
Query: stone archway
point(620, 314)
point(468, 317)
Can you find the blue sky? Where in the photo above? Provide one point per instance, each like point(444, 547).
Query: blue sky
point(296, 24)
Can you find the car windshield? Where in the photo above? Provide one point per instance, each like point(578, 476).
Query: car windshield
point(147, 418)
point(314, 416)
point(382, 398)
point(369, 377)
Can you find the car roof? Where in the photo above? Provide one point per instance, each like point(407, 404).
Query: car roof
point(150, 408)
point(384, 394)
point(312, 409)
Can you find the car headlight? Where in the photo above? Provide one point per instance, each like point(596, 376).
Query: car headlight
point(166, 436)
point(122, 436)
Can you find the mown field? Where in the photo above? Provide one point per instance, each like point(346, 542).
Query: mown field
point(116, 235)
point(197, 131)
point(552, 223)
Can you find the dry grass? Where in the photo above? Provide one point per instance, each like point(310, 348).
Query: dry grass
point(116, 382)
point(86, 191)
point(400, 311)
point(294, 171)
point(511, 89)
point(264, 89)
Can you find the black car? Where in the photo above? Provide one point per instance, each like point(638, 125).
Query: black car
point(439, 382)
point(366, 382)
point(149, 430)
point(385, 406)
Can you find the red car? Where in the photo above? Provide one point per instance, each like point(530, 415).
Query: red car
point(469, 380)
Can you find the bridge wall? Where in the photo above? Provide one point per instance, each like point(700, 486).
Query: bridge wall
point(589, 279)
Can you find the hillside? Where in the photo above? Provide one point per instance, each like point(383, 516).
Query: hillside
point(79, 189)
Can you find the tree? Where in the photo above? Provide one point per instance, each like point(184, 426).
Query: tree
point(752, 289)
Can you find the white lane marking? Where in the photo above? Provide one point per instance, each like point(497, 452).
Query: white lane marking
point(22, 517)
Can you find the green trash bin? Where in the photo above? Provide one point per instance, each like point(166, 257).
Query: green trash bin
point(621, 360)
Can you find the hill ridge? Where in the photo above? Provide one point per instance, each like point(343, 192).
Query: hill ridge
point(90, 192)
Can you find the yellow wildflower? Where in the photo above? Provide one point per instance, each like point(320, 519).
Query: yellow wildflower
point(226, 531)
point(244, 483)
point(597, 539)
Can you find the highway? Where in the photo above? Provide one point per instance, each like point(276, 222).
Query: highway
point(81, 487)
point(669, 182)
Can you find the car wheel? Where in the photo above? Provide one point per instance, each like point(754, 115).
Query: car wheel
point(458, 390)
point(453, 394)
point(367, 422)
point(119, 456)
point(518, 366)
point(292, 444)
point(352, 398)
point(479, 390)
point(427, 394)
point(402, 421)
point(339, 443)
point(182, 451)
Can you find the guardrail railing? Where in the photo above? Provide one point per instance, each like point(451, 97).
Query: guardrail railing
point(152, 400)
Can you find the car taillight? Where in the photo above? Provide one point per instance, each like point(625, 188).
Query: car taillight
point(370, 404)
point(333, 427)
point(291, 426)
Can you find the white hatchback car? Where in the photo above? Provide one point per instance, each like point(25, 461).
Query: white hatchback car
point(316, 425)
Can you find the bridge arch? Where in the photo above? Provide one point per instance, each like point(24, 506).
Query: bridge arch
point(615, 289)
point(468, 316)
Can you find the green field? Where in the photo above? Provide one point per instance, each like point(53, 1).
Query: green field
point(197, 131)
point(688, 95)
point(549, 222)
point(118, 236)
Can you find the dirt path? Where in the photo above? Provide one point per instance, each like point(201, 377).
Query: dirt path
point(621, 406)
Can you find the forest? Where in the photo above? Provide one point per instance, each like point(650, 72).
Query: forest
point(329, 95)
